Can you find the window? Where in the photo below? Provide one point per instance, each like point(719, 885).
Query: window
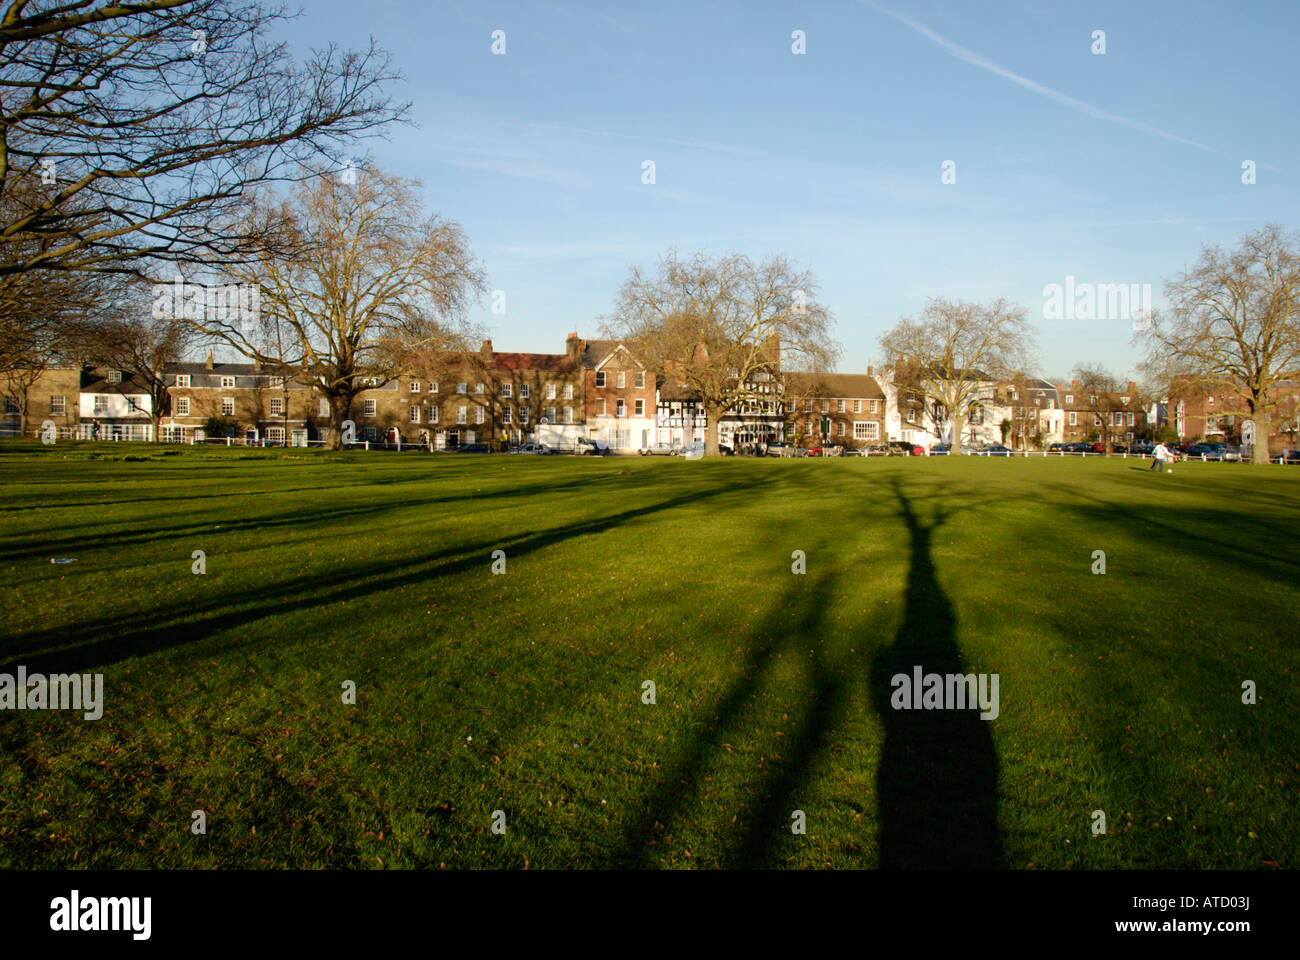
point(622, 379)
point(478, 388)
point(869, 430)
point(826, 406)
point(182, 406)
point(277, 382)
point(600, 406)
point(507, 390)
point(839, 427)
point(58, 406)
point(839, 406)
point(227, 406)
point(322, 407)
point(277, 406)
point(550, 415)
point(1074, 419)
point(433, 415)
point(433, 386)
point(600, 378)
point(478, 414)
point(1096, 420)
point(1117, 418)
point(182, 379)
point(568, 391)
point(115, 376)
point(568, 414)
point(415, 388)
point(1209, 401)
point(368, 407)
point(857, 406)
point(807, 427)
point(1131, 418)
point(523, 415)
point(462, 414)
point(640, 380)
point(1013, 395)
point(227, 383)
point(525, 391)
point(638, 407)
point(1069, 399)
point(1092, 400)
point(506, 414)
point(415, 414)
point(11, 405)
point(101, 405)
point(462, 387)
point(550, 391)
point(874, 406)
point(275, 434)
point(620, 410)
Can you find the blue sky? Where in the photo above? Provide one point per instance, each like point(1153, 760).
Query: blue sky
point(1110, 168)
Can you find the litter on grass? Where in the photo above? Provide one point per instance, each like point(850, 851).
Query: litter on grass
point(63, 559)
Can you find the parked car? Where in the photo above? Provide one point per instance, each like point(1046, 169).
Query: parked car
point(907, 448)
point(941, 450)
point(1198, 451)
point(1231, 452)
point(969, 451)
point(473, 448)
point(692, 451)
point(829, 450)
point(659, 450)
point(874, 450)
point(533, 449)
point(995, 450)
point(1290, 456)
point(779, 448)
point(586, 447)
point(1060, 448)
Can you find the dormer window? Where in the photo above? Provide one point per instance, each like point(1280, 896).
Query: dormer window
point(115, 376)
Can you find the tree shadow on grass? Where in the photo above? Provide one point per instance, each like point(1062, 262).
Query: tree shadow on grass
point(683, 775)
point(937, 780)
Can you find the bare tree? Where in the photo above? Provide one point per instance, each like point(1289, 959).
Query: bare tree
point(369, 281)
point(954, 351)
point(132, 130)
point(724, 326)
point(1106, 396)
point(1233, 326)
point(127, 336)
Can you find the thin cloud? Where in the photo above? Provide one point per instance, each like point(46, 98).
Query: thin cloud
point(1074, 103)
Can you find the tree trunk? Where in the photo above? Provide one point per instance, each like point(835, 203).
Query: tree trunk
point(958, 425)
point(339, 407)
point(1263, 427)
point(711, 431)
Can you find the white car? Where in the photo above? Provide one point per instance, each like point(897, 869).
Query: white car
point(693, 451)
point(659, 450)
point(536, 449)
point(585, 446)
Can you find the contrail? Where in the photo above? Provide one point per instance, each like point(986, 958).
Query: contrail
point(1074, 103)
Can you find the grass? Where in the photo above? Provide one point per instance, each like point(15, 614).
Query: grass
point(522, 692)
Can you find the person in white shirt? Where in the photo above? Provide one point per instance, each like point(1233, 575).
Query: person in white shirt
point(1161, 457)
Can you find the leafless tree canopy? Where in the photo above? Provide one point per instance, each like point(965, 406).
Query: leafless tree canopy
point(1233, 325)
point(721, 324)
point(951, 352)
point(370, 282)
point(1102, 394)
point(132, 130)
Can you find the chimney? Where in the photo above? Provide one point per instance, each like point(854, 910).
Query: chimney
point(573, 347)
point(1076, 385)
point(773, 348)
point(486, 349)
point(209, 358)
point(870, 371)
point(1132, 388)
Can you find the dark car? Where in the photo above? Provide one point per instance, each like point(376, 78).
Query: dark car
point(941, 450)
point(1060, 448)
point(1199, 451)
point(473, 448)
point(995, 450)
point(907, 448)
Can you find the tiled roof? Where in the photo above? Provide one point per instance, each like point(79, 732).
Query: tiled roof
point(554, 362)
point(838, 385)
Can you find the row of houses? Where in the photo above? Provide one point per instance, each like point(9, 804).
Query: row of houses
point(597, 389)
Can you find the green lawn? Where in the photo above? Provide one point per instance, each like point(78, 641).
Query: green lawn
point(522, 692)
